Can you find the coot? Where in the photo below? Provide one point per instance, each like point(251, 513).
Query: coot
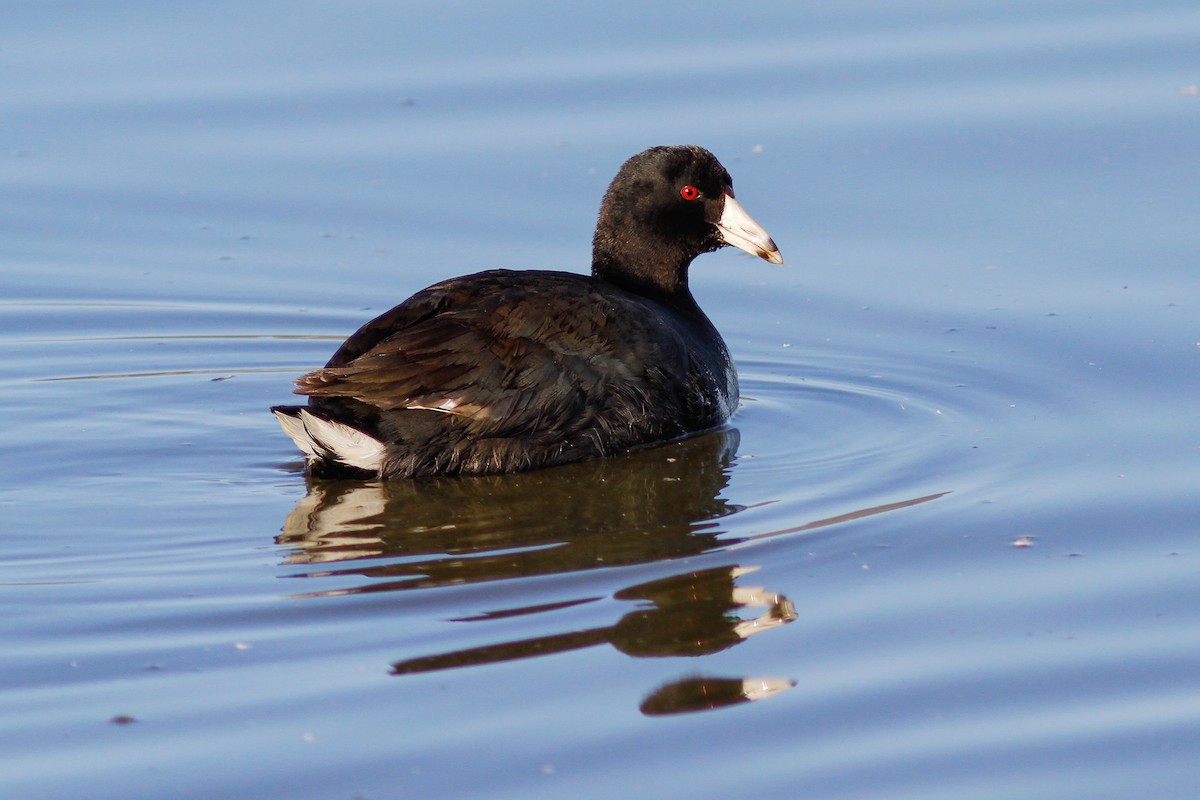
point(504, 371)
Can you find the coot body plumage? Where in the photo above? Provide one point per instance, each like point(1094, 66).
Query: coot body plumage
point(504, 370)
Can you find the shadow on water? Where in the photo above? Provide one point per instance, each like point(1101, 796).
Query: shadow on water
point(647, 507)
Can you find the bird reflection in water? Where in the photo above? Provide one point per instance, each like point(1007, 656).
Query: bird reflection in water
point(646, 507)
point(651, 506)
point(640, 508)
point(693, 614)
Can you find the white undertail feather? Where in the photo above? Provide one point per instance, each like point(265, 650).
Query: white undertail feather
point(324, 439)
point(294, 428)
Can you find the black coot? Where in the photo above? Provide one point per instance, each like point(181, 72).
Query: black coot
point(504, 371)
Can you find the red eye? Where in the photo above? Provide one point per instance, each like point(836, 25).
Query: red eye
point(689, 192)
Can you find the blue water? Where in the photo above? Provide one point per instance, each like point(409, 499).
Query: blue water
point(947, 548)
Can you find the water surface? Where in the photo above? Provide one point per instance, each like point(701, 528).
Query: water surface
point(946, 549)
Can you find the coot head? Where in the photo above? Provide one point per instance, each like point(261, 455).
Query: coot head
point(666, 206)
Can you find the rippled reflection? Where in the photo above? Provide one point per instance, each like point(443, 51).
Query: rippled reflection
point(657, 505)
point(644, 507)
point(691, 614)
point(707, 694)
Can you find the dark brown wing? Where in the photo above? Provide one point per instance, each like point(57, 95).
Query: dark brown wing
point(423, 305)
point(510, 353)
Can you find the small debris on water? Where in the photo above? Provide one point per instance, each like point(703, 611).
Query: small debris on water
point(1023, 541)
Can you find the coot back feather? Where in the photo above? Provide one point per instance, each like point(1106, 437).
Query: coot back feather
point(506, 370)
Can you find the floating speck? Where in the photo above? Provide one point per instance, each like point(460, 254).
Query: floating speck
point(1023, 541)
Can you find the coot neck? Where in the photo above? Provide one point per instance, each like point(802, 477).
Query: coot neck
point(660, 279)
